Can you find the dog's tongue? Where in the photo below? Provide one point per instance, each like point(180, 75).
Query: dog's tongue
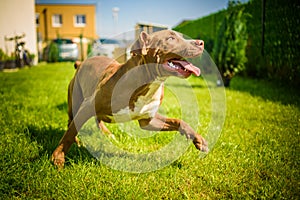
point(189, 66)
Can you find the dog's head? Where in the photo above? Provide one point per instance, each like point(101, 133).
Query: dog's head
point(170, 50)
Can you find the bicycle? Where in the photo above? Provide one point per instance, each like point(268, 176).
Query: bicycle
point(22, 54)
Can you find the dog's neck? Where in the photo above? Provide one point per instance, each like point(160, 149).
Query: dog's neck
point(149, 66)
point(137, 66)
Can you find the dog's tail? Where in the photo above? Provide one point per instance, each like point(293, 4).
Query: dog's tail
point(77, 64)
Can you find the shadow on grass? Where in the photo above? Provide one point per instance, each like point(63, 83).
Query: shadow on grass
point(63, 107)
point(48, 139)
point(268, 90)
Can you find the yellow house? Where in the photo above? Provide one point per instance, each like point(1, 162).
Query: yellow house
point(148, 27)
point(66, 21)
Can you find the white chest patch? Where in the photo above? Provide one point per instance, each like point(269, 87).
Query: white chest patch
point(145, 106)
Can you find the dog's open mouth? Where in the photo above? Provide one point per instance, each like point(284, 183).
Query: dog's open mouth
point(181, 66)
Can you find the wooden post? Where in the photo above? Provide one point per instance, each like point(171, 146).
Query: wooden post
point(81, 47)
point(45, 24)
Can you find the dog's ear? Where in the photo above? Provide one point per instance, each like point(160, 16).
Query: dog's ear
point(140, 46)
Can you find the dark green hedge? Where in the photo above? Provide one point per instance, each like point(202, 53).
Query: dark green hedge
point(205, 28)
point(280, 57)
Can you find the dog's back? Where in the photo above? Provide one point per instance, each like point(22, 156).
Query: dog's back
point(86, 79)
point(89, 73)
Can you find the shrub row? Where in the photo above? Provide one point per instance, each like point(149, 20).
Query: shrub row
point(275, 58)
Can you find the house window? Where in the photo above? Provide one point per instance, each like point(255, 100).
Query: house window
point(56, 20)
point(37, 19)
point(79, 20)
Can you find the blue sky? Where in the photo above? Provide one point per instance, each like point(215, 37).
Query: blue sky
point(165, 12)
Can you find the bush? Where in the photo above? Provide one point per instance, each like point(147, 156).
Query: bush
point(229, 51)
point(89, 49)
point(278, 58)
point(3, 56)
point(53, 54)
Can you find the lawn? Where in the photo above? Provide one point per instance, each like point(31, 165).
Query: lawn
point(255, 157)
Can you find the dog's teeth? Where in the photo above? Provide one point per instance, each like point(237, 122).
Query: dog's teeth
point(171, 65)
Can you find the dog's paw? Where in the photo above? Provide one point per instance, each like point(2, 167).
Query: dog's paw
point(200, 143)
point(58, 159)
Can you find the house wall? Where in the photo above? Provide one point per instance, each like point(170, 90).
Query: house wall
point(68, 29)
point(17, 17)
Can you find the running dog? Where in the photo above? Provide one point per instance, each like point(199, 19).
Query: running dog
point(114, 92)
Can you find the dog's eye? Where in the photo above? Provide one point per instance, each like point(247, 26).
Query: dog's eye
point(171, 38)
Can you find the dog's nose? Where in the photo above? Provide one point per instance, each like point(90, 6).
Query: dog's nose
point(200, 43)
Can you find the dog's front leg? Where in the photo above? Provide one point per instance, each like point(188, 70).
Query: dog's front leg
point(160, 123)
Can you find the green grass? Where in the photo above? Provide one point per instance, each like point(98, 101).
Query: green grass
point(256, 156)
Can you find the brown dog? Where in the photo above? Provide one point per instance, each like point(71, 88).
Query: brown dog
point(114, 93)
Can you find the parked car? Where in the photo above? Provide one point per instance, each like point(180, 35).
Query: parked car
point(106, 47)
point(61, 50)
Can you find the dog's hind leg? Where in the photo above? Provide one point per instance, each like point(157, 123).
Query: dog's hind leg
point(85, 112)
point(70, 104)
point(75, 99)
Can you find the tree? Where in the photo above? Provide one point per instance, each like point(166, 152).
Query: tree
point(229, 50)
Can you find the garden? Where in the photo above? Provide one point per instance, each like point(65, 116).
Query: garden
point(255, 156)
